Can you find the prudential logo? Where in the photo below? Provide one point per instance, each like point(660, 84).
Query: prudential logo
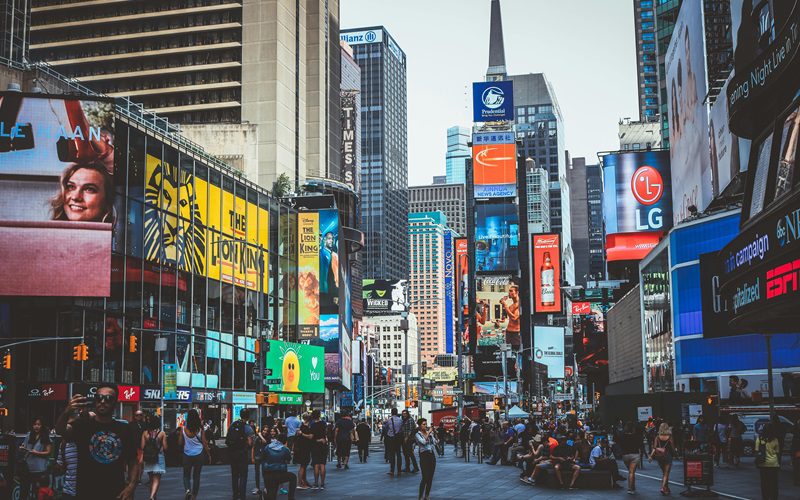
point(493, 97)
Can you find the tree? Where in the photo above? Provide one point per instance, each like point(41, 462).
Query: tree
point(282, 186)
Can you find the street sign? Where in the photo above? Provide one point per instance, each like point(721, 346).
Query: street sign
point(413, 379)
point(562, 397)
point(272, 381)
point(457, 390)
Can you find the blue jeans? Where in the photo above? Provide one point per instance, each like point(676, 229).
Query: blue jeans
point(239, 466)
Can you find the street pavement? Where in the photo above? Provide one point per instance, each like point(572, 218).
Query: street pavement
point(456, 479)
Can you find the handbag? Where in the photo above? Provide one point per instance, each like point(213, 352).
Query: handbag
point(659, 451)
point(761, 453)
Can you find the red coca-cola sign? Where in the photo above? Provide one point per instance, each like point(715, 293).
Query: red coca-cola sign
point(128, 393)
point(579, 308)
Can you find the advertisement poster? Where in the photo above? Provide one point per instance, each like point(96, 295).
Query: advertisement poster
point(57, 197)
point(200, 228)
point(384, 297)
point(548, 349)
point(308, 278)
point(493, 101)
point(449, 313)
point(638, 192)
point(494, 388)
point(295, 367)
point(496, 238)
point(497, 308)
point(688, 115)
point(546, 273)
point(462, 275)
point(726, 149)
point(494, 170)
point(170, 380)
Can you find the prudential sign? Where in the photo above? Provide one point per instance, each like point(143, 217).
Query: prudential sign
point(492, 101)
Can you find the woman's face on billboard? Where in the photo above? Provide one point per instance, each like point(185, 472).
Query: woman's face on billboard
point(84, 196)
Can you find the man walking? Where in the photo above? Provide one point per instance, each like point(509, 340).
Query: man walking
point(105, 446)
point(364, 438)
point(239, 440)
point(409, 433)
point(343, 438)
point(393, 439)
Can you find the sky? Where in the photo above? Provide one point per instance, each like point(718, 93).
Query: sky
point(586, 48)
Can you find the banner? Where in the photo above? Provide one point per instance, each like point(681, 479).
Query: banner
point(170, 380)
point(546, 273)
point(495, 170)
point(295, 367)
point(493, 101)
point(384, 297)
point(449, 270)
point(548, 349)
point(496, 301)
point(496, 238)
point(351, 110)
point(308, 307)
point(57, 198)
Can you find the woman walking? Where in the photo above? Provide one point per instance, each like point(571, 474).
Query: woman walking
point(261, 440)
point(768, 461)
point(154, 445)
point(631, 453)
point(192, 441)
point(36, 448)
point(426, 443)
point(663, 451)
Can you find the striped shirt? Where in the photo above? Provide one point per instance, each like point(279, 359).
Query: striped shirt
point(69, 460)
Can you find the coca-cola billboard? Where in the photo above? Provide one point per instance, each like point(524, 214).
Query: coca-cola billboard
point(546, 272)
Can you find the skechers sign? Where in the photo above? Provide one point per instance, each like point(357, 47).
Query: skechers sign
point(492, 101)
point(361, 37)
point(641, 200)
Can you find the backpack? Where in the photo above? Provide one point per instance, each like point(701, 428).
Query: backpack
point(150, 451)
point(236, 440)
point(274, 460)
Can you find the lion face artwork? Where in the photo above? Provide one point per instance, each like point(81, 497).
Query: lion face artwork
point(174, 226)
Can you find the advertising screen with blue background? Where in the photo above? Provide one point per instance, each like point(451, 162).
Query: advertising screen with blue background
point(449, 310)
point(492, 101)
point(726, 354)
point(496, 238)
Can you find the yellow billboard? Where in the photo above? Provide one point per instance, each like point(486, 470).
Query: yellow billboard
point(200, 228)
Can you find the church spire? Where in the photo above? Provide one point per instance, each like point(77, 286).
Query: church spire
point(497, 53)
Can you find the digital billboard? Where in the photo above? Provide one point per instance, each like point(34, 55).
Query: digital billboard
point(57, 197)
point(203, 228)
point(638, 192)
point(449, 271)
point(493, 101)
point(688, 114)
point(497, 309)
point(496, 238)
point(486, 363)
point(462, 288)
point(548, 349)
point(384, 297)
point(728, 152)
point(494, 169)
point(546, 273)
point(295, 367)
point(308, 278)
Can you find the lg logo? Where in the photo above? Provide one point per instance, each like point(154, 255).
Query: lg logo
point(647, 187)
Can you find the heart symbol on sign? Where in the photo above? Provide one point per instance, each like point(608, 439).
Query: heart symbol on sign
point(314, 362)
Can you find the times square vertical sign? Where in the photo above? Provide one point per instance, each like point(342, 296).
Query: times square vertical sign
point(349, 151)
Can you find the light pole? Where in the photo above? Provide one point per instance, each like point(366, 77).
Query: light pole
point(404, 325)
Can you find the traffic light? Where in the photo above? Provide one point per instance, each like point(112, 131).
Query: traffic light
point(416, 395)
point(132, 341)
point(397, 391)
point(257, 347)
point(3, 412)
point(424, 368)
point(80, 352)
point(7, 360)
point(261, 398)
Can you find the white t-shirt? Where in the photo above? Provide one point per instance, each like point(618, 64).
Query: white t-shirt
point(597, 452)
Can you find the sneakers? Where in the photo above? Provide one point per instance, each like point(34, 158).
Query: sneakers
point(302, 487)
point(254, 491)
point(283, 491)
point(347, 466)
point(631, 492)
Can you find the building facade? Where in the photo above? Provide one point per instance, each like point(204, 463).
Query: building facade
point(538, 187)
point(427, 251)
point(450, 199)
point(646, 59)
point(634, 136)
point(458, 153)
point(384, 152)
point(254, 82)
point(391, 343)
point(586, 198)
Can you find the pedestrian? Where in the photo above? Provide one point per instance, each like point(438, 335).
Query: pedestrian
point(663, 451)
point(36, 448)
point(720, 438)
point(464, 436)
point(631, 453)
point(67, 463)
point(700, 433)
point(426, 443)
point(735, 444)
point(106, 447)
point(601, 459)
point(139, 426)
point(364, 437)
point(343, 437)
point(565, 457)
point(795, 452)
point(239, 440)
point(260, 441)
point(441, 438)
point(292, 424)
point(275, 457)
point(319, 449)
point(474, 437)
point(154, 445)
point(409, 433)
point(302, 451)
point(768, 452)
point(393, 440)
point(192, 441)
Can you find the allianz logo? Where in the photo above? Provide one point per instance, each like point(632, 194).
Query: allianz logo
point(368, 36)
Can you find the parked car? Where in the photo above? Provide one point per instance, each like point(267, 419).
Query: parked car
point(754, 423)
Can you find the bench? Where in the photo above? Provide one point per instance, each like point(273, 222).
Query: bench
point(589, 479)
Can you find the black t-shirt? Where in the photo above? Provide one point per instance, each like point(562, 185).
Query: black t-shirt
point(302, 444)
point(345, 426)
point(319, 430)
point(103, 452)
point(564, 450)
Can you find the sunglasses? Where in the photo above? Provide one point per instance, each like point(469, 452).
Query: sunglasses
point(104, 398)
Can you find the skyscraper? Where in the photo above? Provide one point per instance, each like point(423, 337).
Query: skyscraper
point(427, 233)
point(646, 60)
point(255, 82)
point(458, 153)
point(450, 199)
point(384, 152)
point(586, 198)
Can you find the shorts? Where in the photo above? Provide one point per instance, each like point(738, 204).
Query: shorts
point(343, 448)
point(631, 458)
point(319, 454)
point(157, 468)
point(302, 456)
point(546, 465)
point(290, 442)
